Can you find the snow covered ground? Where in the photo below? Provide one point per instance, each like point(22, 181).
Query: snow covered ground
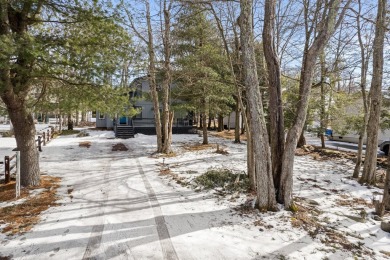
point(115, 205)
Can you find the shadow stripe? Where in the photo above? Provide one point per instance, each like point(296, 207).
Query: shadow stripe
point(169, 251)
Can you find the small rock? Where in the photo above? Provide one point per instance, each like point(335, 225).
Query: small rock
point(385, 226)
point(377, 218)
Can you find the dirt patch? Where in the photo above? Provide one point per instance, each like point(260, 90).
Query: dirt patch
point(165, 171)
point(22, 217)
point(85, 144)
point(228, 135)
point(199, 147)
point(119, 147)
point(354, 202)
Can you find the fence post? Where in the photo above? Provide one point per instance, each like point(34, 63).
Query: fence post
point(48, 135)
point(44, 138)
point(6, 170)
point(17, 185)
point(39, 143)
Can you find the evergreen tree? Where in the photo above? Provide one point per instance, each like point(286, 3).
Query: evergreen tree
point(203, 78)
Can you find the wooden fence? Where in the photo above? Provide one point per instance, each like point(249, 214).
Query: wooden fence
point(11, 162)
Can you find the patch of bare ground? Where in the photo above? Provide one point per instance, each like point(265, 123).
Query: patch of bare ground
point(7, 192)
point(228, 135)
point(163, 155)
point(198, 147)
point(307, 216)
point(85, 144)
point(353, 202)
point(119, 147)
point(22, 217)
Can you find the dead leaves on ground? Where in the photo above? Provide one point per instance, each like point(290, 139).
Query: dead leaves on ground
point(85, 144)
point(119, 147)
point(22, 217)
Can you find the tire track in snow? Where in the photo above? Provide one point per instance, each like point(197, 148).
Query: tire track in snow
point(95, 238)
point(169, 251)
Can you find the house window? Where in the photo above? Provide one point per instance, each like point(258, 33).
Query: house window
point(101, 116)
point(93, 114)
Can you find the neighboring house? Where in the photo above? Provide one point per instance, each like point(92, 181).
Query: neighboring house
point(143, 122)
point(229, 122)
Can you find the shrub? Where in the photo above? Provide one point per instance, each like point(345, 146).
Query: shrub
point(223, 178)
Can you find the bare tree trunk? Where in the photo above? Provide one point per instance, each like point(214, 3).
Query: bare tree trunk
point(322, 112)
point(204, 128)
point(376, 97)
point(380, 207)
point(365, 56)
point(77, 117)
point(237, 125)
point(166, 129)
point(220, 123)
point(152, 79)
point(15, 83)
point(24, 130)
point(302, 140)
point(275, 91)
point(263, 164)
point(83, 116)
point(326, 27)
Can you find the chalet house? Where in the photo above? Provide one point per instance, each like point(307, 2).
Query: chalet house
point(143, 122)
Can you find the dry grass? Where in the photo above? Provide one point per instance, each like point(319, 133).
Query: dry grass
point(22, 217)
point(306, 217)
point(165, 171)
point(228, 135)
point(119, 147)
point(354, 202)
point(85, 144)
point(199, 147)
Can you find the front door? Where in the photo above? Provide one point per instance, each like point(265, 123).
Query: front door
point(123, 120)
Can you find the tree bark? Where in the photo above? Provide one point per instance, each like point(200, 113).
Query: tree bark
point(166, 122)
point(24, 130)
point(275, 91)
point(363, 81)
point(15, 83)
point(263, 164)
point(302, 140)
point(152, 79)
point(323, 109)
point(376, 97)
point(385, 204)
point(204, 129)
point(325, 28)
point(237, 124)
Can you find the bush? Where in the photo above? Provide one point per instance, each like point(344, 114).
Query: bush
point(223, 178)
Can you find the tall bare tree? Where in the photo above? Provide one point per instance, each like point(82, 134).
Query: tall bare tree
point(365, 53)
point(275, 91)
point(167, 115)
point(265, 186)
point(375, 96)
point(326, 17)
